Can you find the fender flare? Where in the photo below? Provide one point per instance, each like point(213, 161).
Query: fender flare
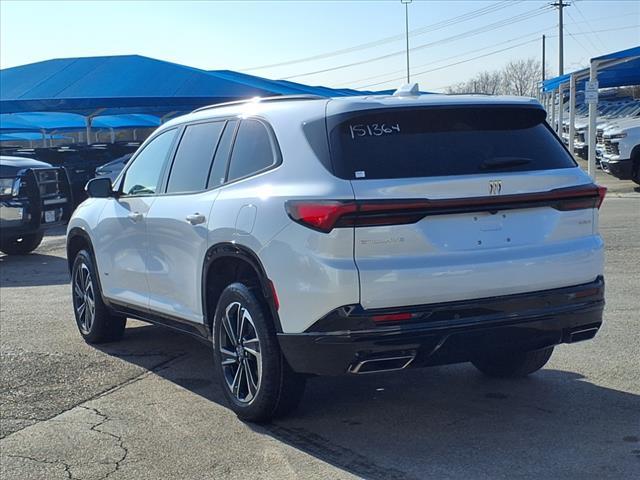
point(233, 250)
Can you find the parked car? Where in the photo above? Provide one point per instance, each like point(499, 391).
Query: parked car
point(621, 156)
point(34, 196)
point(313, 236)
point(113, 168)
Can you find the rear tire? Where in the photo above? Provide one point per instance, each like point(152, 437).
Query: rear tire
point(513, 364)
point(254, 375)
point(22, 245)
point(95, 322)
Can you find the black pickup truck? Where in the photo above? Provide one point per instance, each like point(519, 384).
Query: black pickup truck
point(33, 197)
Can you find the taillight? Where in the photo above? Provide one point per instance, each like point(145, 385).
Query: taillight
point(321, 215)
point(602, 192)
point(578, 198)
point(325, 215)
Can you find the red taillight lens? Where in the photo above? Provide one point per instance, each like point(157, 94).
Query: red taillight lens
point(392, 317)
point(577, 198)
point(320, 215)
point(602, 192)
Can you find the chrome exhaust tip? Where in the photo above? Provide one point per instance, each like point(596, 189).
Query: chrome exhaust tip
point(582, 334)
point(382, 364)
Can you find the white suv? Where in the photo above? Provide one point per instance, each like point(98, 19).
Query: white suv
point(313, 236)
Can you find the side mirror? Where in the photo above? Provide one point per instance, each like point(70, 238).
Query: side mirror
point(99, 188)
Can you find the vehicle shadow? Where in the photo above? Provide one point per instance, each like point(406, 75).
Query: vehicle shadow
point(32, 270)
point(444, 422)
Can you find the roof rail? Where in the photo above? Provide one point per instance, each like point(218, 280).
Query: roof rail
point(261, 100)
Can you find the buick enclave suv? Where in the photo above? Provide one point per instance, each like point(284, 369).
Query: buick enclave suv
point(312, 236)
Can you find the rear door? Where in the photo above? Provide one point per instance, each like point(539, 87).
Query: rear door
point(462, 203)
point(177, 221)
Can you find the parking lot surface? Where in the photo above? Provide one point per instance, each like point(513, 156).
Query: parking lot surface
point(149, 408)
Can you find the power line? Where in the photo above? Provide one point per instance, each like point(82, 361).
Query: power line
point(575, 4)
point(493, 26)
point(453, 64)
point(595, 49)
point(626, 27)
point(520, 37)
point(420, 31)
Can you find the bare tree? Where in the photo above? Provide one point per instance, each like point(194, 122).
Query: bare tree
point(521, 77)
point(518, 77)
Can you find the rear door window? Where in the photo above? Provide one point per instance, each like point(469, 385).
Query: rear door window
point(252, 150)
point(219, 168)
point(193, 158)
point(432, 141)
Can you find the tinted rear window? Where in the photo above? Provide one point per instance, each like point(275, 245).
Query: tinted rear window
point(194, 156)
point(429, 142)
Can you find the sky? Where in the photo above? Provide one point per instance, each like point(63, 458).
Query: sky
point(355, 44)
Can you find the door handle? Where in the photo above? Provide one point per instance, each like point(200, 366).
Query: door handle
point(195, 219)
point(135, 216)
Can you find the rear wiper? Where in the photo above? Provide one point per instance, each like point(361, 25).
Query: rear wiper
point(500, 162)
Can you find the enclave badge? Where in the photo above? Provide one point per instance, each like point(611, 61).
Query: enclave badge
point(495, 187)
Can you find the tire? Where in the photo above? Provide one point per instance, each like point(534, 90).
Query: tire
point(22, 245)
point(513, 365)
point(256, 379)
point(635, 170)
point(94, 320)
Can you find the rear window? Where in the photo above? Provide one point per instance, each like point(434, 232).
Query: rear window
point(433, 141)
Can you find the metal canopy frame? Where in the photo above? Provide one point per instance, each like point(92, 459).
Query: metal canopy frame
point(596, 65)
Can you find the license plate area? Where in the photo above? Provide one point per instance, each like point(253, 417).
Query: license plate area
point(52, 216)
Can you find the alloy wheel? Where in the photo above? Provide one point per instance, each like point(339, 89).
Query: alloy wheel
point(84, 298)
point(240, 353)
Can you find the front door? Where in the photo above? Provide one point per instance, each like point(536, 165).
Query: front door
point(121, 233)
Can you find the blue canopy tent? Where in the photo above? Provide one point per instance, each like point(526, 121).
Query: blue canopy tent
point(59, 121)
point(131, 84)
point(120, 84)
point(616, 69)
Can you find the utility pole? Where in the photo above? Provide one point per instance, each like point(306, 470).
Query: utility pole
point(543, 57)
point(406, 27)
point(560, 4)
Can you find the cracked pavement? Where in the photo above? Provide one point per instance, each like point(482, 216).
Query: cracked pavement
point(148, 408)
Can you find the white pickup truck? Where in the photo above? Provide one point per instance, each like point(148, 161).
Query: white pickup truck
point(621, 154)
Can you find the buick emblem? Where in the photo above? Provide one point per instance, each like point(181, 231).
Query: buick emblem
point(495, 187)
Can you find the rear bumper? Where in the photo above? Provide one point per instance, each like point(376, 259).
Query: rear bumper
point(447, 332)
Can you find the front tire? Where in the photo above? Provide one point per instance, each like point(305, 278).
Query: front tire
point(22, 245)
point(95, 322)
point(254, 375)
point(513, 364)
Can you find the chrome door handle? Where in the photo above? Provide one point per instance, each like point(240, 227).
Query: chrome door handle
point(195, 219)
point(135, 216)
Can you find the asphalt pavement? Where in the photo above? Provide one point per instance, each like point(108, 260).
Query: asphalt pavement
point(148, 407)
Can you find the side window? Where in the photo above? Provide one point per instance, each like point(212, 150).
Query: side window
point(143, 175)
point(252, 150)
point(193, 158)
point(219, 168)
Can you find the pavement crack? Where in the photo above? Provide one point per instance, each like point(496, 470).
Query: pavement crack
point(120, 441)
point(67, 467)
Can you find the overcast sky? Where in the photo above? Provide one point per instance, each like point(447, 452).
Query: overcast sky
point(474, 35)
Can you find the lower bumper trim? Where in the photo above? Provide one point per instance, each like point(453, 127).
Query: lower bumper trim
point(546, 321)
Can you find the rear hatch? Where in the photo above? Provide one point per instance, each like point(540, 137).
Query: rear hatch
point(463, 202)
